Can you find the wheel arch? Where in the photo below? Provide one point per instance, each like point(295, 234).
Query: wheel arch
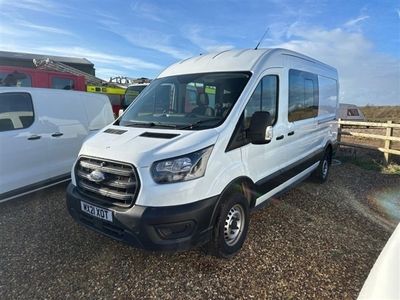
point(329, 149)
point(243, 185)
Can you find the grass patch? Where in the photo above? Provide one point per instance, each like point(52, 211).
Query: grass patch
point(392, 169)
point(381, 113)
point(371, 164)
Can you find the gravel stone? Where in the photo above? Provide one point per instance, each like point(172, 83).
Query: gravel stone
point(315, 241)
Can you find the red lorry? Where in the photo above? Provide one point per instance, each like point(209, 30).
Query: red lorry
point(27, 77)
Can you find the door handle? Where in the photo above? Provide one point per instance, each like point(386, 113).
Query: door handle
point(34, 137)
point(291, 133)
point(57, 134)
point(280, 137)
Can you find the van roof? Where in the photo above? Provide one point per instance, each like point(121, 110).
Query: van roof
point(230, 60)
point(41, 91)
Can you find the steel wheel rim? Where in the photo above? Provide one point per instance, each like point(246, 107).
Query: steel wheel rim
point(234, 223)
point(324, 168)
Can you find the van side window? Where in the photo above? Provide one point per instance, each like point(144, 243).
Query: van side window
point(16, 111)
point(264, 98)
point(327, 96)
point(62, 83)
point(303, 95)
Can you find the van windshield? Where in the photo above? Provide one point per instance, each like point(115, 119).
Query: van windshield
point(131, 93)
point(192, 102)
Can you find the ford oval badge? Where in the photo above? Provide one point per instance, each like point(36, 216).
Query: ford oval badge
point(96, 176)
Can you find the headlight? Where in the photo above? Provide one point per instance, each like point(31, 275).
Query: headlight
point(182, 168)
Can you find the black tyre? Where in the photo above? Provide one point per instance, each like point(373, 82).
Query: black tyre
point(231, 226)
point(321, 173)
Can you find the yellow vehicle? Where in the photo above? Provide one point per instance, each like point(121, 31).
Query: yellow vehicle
point(115, 94)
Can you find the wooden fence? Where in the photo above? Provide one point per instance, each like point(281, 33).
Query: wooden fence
point(346, 126)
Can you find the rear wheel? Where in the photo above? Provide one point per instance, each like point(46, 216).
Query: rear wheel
point(231, 226)
point(321, 173)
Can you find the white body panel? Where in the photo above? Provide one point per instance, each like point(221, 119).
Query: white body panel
point(383, 280)
point(254, 162)
point(70, 116)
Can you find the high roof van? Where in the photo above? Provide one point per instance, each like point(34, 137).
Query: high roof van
point(41, 133)
point(212, 138)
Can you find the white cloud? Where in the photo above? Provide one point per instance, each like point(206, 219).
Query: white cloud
point(100, 57)
point(157, 41)
point(106, 73)
point(148, 39)
point(45, 6)
point(366, 76)
point(355, 21)
point(194, 35)
point(147, 11)
point(11, 31)
point(47, 29)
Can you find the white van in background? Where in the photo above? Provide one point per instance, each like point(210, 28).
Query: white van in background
point(211, 138)
point(41, 132)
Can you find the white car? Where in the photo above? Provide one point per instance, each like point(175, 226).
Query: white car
point(41, 132)
point(176, 171)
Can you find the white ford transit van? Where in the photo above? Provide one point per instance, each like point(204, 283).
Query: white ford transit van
point(41, 132)
point(211, 138)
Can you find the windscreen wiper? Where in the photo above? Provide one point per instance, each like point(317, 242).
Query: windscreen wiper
point(196, 124)
point(148, 124)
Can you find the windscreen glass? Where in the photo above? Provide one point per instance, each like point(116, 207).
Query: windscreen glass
point(132, 92)
point(195, 101)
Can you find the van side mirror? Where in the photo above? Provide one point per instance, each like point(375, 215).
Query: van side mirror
point(260, 130)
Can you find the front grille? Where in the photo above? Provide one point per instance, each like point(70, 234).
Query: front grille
point(119, 186)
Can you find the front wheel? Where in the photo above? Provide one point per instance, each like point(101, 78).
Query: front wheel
point(231, 227)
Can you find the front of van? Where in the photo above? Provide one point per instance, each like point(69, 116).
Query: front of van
point(150, 178)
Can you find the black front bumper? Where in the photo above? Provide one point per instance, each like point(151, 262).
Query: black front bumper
point(152, 228)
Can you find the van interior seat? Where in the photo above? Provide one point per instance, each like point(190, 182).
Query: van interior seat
point(202, 106)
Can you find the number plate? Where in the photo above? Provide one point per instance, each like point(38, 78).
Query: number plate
point(97, 212)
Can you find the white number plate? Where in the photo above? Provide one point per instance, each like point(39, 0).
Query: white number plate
point(97, 212)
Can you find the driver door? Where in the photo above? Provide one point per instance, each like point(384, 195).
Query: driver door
point(264, 161)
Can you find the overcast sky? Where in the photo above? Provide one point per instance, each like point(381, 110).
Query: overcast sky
point(140, 38)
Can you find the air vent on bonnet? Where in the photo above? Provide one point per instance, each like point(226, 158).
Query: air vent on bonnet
point(114, 131)
point(159, 135)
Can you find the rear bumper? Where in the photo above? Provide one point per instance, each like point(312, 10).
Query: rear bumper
point(152, 228)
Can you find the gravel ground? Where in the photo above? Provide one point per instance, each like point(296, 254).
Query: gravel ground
point(316, 241)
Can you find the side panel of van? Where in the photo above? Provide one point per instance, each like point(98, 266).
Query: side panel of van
point(63, 117)
point(306, 113)
point(23, 151)
point(98, 110)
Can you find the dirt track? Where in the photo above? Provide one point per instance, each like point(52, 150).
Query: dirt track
point(316, 241)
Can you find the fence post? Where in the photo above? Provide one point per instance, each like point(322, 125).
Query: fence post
point(389, 133)
point(339, 135)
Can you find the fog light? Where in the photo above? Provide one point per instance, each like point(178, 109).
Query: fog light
point(175, 230)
